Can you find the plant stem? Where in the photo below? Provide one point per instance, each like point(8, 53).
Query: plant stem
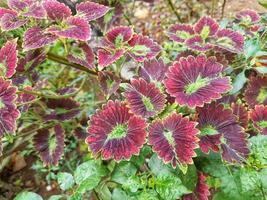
point(172, 7)
point(48, 96)
point(64, 61)
point(127, 19)
point(223, 7)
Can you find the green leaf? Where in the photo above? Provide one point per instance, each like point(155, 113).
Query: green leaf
point(263, 177)
point(224, 23)
point(119, 194)
point(248, 179)
point(65, 180)
point(123, 171)
point(168, 109)
point(190, 178)
point(182, 167)
point(210, 164)
point(89, 169)
point(140, 49)
point(239, 82)
point(170, 187)
point(56, 197)
point(124, 86)
point(263, 4)
point(251, 47)
point(231, 185)
point(205, 32)
point(103, 191)
point(262, 70)
point(132, 184)
point(140, 159)
point(28, 196)
point(76, 196)
point(147, 195)
point(158, 167)
point(108, 16)
point(258, 151)
point(88, 184)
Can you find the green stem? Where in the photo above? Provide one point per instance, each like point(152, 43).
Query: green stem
point(28, 102)
point(127, 19)
point(64, 61)
point(174, 10)
point(47, 95)
point(223, 7)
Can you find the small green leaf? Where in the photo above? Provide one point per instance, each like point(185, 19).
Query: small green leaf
point(28, 196)
point(183, 167)
point(263, 4)
point(124, 86)
point(224, 23)
point(239, 82)
point(56, 197)
point(140, 49)
point(258, 151)
point(251, 48)
point(108, 16)
point(119, 194)
point(205, 32)
point(158, 167)
point(183, 34)
point(88, 184)
point(103, 191)
point(123, 171)
point(65, 180)
point(208, 130)
point(76, 196)
point(132, 184)
point(190, 178)
point(89, 169)
point(170, 187)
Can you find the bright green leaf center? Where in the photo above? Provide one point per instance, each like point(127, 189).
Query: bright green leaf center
point(168, 135)
point(262, 95)
point(79, 53)
point(2, 105)
point(183, 34)
point(52, 143)
point(225, 41)
point(110, 83)
point(118, 132)
point(205, 32)
point(208, 130)
point(119, 41)
point(2, 69)
point(140, 50)
point(246, 20)
point(262, 124)
point(147, 102)
point(199, 83)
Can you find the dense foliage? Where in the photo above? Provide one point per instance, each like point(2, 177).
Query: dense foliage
point(183, 119)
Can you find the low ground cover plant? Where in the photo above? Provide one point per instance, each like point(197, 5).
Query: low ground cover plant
point(184, 119)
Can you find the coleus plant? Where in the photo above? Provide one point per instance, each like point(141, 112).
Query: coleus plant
point(157, 122)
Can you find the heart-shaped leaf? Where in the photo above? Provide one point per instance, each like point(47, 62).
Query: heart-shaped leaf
point(36, 38)
point(91, 11)
point(72, 27)
point(50, 144)
point(56, 11)
point(8, 58)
